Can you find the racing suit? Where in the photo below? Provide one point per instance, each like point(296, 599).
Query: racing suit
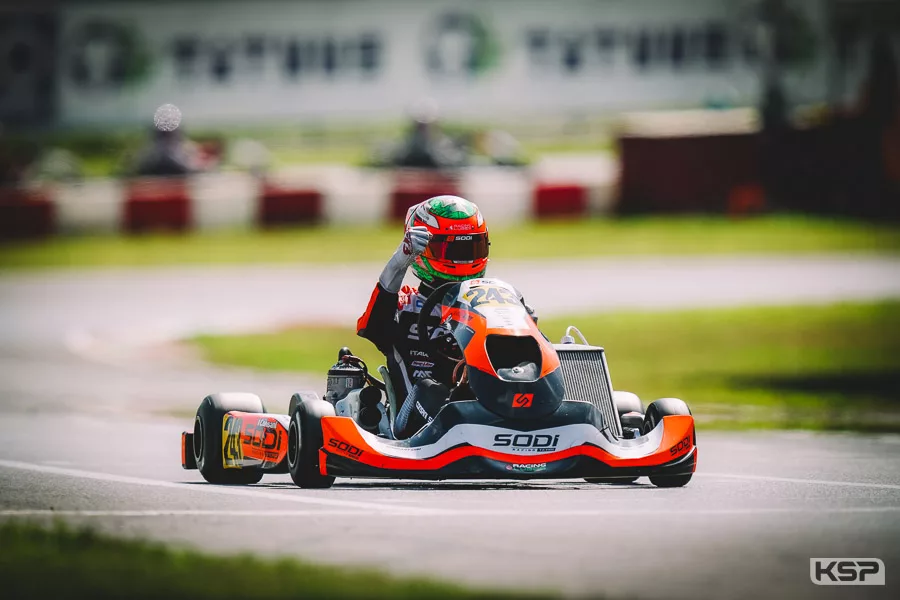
point(391, 323)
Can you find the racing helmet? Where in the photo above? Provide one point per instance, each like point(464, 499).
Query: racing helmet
point(459, 244)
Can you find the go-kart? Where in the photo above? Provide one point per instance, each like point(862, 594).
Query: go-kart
point(520, 407)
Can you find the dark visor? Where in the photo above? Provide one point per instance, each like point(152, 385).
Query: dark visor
point(466, 247)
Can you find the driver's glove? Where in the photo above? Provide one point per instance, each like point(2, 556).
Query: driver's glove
point(414, 243)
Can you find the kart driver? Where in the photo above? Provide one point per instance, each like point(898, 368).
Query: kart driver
point(446, 239)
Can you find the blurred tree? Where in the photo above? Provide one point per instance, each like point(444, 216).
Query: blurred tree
point(784, 39)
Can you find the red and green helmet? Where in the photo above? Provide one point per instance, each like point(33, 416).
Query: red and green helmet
point(459, 244)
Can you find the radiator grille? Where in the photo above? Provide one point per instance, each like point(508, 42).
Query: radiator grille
point(585, 378)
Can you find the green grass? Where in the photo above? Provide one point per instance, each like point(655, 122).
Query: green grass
point(37, 562)
point(582, 238)
point(307, 349)
point(820, 367)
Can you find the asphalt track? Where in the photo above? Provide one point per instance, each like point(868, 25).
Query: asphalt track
point(86, 382)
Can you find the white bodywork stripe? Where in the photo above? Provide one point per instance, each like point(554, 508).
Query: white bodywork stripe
point(482, 436)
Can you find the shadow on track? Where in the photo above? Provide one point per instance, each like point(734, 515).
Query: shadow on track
point(449, 486)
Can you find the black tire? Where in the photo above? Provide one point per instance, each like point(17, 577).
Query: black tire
point(665, 407)
point(612, 480)
point(670, 481)
point(208, 437)
point(627, 402)
point(304, 441)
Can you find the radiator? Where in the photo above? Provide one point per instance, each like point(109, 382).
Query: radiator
point(587, 380)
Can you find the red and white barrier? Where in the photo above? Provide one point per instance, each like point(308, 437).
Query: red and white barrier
point(26, 214)
point(91, 206)
point(224, 200)
point(308, 195)
point(153, 204)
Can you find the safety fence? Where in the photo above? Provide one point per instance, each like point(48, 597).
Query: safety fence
point(301, 196)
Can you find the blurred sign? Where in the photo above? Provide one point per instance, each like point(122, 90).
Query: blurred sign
point(359, 59)
point(27, 54)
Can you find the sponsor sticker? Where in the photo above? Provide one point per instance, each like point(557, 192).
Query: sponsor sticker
point(345, 448)
point(680, 446)
point(232, 452)
point(526, 468)
point(527, 442)
point(522, 400)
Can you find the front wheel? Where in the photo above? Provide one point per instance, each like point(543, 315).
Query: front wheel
point(670, 481)
point(304, 441)
point(666, 407)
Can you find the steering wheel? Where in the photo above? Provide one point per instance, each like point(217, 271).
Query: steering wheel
point(445, 344)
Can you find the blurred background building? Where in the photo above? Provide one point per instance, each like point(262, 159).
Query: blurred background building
point(714, 104)
point(82, 63)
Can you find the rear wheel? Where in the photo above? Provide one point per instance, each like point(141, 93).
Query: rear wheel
point(208, 430)
point(665, 407)
point(304, 441)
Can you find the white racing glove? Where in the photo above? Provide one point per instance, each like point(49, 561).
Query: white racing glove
point(414, 243)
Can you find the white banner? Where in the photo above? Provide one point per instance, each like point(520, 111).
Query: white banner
point(360, 60)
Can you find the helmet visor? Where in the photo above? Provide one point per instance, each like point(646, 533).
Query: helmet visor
point(463, 248)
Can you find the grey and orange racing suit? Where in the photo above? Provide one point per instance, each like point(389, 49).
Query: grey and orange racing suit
point(391, 323)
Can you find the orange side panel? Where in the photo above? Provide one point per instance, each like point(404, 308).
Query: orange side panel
point(262, 438)
point(343, 438)
point(322, 456)
point(184, 450)
point(476, 351)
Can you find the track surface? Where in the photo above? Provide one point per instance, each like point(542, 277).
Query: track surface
point(80, 389)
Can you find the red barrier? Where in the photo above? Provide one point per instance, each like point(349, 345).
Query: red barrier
point(688, 173)
point(26, 214)
point(413, 187)
point(157, 204)
point(560, 200)
point(281, 206)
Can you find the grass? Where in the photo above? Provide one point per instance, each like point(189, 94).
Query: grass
point(59, 562)
point(582, 238)
point(821, 367)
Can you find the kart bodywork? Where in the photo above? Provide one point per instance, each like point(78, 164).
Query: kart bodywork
point(536, 410)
